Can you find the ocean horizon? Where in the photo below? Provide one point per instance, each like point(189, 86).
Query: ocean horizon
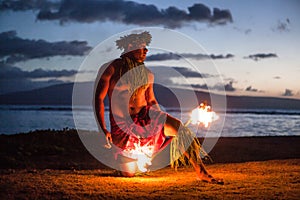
point(237, 122)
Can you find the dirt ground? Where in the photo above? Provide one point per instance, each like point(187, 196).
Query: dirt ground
point(275, 179)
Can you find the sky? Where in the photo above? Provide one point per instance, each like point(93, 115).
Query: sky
point(247, 47)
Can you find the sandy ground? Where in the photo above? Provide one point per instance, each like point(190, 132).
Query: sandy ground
point(52, 164)
point(276, 179)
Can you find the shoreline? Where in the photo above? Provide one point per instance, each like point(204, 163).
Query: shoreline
point(63, 149)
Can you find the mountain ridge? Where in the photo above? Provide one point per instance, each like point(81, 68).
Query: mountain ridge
point(61, 94)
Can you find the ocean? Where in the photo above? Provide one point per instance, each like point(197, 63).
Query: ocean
point(235, 123)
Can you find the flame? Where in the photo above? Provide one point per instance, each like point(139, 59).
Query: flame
point(143, 155)
point(203, 115)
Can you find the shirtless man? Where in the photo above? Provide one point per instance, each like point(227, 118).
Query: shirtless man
point(132, 105)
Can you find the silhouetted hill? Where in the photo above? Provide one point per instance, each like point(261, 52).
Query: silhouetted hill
point(52, 95)
point(168, 97)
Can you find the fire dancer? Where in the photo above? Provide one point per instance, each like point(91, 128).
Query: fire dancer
point(137, 123)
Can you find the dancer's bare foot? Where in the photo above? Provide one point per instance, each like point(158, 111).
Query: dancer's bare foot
point(210, 179)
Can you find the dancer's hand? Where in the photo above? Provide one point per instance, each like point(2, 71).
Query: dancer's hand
point(108, 140)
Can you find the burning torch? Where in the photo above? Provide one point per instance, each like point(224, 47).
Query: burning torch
point(202, 115)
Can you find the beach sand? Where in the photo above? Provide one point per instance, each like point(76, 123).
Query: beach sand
point(55, 165)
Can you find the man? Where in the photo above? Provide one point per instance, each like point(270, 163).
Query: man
point(135, 117)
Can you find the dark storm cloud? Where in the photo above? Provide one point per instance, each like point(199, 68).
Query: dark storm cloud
point(288, 93)
point(14, 49)
point(174, 56)
point(128, 12)
point(259, 56)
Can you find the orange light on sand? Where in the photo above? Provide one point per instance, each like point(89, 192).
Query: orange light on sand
point(203, 115)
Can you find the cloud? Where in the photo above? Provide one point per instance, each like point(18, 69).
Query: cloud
point(196, 86)
point(15, 49)
point(24, 5)
point(128, 12)
point(288, 93)
point(277, 77)
point(250, 89)
point(227, 87)
point(221, 56)
point(200, 86)
point(163, 56)
point(190, 73)
point(13, 79)
point(161, 71)
point(282, 26)
point(164, 75)
point(12, 72)
point(178, 72)
point(220, 87)
point(245, 31)
point(221, 16)
point(258, 56)
point(174, 56)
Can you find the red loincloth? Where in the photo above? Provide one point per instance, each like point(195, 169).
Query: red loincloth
point(145, 129)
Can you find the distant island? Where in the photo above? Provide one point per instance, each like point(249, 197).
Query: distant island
point(62, 95)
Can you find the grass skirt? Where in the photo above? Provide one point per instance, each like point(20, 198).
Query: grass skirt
point(186, 142)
